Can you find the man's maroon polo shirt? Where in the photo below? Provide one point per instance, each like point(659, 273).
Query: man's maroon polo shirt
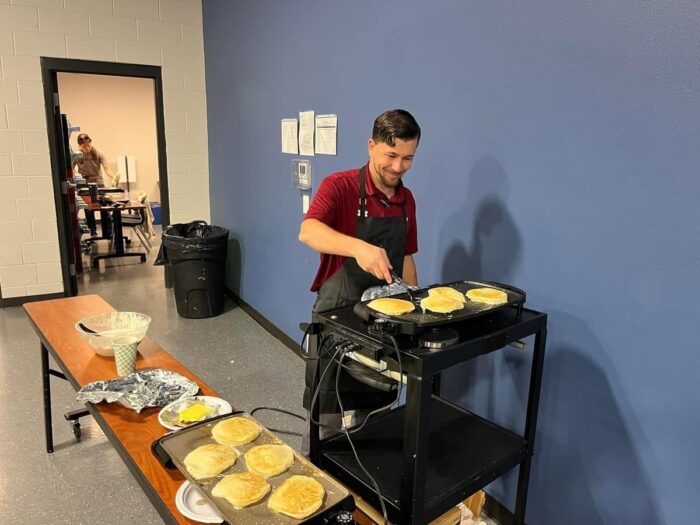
point(336, 203)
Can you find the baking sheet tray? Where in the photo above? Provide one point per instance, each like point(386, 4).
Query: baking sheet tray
point(428, 318)
point(178, 444)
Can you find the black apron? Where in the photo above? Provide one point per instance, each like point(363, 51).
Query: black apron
point(345, 288)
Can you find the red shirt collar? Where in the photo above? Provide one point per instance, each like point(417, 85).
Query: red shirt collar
point(371, 189)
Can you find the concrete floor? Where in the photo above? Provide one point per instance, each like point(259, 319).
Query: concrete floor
point(87, 482)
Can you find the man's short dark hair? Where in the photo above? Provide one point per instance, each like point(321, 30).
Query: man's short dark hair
point(83, 137)
point(395, 124)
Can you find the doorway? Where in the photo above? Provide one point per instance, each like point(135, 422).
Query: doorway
point(120, 108)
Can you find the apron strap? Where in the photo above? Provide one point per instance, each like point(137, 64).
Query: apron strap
point(362, 210)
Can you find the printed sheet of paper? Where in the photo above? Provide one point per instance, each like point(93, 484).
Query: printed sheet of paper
point(326, 132)
point(306, 133)
point(289, 136)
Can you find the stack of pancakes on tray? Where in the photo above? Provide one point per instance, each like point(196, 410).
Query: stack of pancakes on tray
point(297, 496)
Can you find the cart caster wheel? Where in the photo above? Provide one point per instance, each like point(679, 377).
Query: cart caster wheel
point(96, 264)
point(127, 241)
point(76, 430)
point(143, 258)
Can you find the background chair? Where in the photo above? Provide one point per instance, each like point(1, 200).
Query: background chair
point(141, 221)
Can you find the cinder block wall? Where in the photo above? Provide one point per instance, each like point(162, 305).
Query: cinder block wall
point(165, 33)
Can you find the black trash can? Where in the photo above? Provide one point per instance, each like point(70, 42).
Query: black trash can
point(196, 255)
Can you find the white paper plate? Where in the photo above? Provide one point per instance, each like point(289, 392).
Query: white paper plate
point(188, 501)
point(223, 407)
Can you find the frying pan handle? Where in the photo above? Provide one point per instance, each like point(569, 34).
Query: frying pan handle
point(507, 287)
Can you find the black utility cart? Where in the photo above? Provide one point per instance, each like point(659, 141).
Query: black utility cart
point(429, 455)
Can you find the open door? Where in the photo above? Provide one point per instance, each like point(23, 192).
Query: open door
point(64, 193)
point(59, 148)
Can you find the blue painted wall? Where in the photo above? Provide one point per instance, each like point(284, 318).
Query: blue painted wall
point(561, 154)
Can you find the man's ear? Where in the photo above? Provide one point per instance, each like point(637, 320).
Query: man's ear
point(370, 146)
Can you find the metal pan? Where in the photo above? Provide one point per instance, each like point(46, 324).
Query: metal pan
point(178, 444)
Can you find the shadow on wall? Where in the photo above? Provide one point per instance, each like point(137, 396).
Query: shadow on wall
point(493, 250)
point(234, 262)
point(585, 462)
point(585, 458)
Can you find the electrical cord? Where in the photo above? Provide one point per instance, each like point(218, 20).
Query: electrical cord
point(318, 390)
point(287, 432)
point(302, 350)
point(352, 445)
point(398, 390)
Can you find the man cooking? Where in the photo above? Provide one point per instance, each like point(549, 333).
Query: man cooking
point(363, 223)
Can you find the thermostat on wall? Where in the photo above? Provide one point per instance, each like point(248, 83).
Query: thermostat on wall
point(301, 174)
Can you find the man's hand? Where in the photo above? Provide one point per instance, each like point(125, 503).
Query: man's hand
point(374, 260)
point(325, 239)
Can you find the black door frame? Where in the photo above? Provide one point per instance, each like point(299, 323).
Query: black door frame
point(50, 67)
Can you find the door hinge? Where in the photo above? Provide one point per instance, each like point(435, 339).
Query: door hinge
point(71, 269)
point(64, 187)
point(55, 99)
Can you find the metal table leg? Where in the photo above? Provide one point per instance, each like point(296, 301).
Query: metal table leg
point(416, 434)
point(533, 402)
point(46, 380)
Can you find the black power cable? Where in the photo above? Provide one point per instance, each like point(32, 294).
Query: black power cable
point(287, 432)
point(352, 445)
point(398, 390)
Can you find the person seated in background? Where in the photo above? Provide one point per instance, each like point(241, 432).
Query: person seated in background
point(88, 164)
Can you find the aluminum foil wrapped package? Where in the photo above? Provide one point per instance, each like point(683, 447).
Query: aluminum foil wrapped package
point(375, 292)
point(141, 389)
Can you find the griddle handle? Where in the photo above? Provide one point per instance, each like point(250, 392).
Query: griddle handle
point(361, 311)
point(507, 287)
point(160, 454)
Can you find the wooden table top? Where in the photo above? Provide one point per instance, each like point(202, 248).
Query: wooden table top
point(55, 320)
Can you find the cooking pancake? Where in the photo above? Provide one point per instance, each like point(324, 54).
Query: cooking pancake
point(209, 460)
point(446, 291)
point(269, 460)
point(440, 304)
point(389, 306)
point(487, 295)
point(235, 431)
point(241, 489)
point(298, 497)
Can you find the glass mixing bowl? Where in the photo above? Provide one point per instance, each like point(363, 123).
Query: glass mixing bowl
point(100, 330)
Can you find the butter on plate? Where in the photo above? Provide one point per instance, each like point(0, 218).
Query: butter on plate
point(195, 412)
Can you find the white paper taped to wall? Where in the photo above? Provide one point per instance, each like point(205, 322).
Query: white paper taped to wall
point(306, 133)
point(289, 136)
point(326, 130)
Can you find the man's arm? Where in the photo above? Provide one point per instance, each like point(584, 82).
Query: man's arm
point(324, 239)
point(108, 171)
point(410, 274)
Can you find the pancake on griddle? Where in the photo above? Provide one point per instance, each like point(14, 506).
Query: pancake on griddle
point(209, 460)
point(440, 304)
point(298, 497)
point(235, 431)
point(446, 291)
point(487, 295)
point(241, 489)
point(269, 460)
point(389, 306)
